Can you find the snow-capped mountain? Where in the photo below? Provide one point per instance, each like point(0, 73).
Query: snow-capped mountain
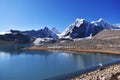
point(117, 25)
point(82, 28)
point(15, 38)
point(2, 33)
point(104, 24)
point(42, 33)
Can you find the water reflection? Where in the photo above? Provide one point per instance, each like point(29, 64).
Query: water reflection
point(17, 49)
point(38, 65)
point(85, 60)
point(13, 49)
point(4, 55)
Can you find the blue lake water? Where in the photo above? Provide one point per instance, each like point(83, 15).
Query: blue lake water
point(16, 64)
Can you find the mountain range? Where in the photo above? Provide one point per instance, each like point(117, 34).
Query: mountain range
point(79, 29)
point(42, 33)
point(82, 28)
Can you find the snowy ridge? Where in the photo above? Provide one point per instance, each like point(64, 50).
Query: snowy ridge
point(104, 24)
point(117, 25)
point(3, 33)
point(82, 28)
point(77, 23)
point(42, 33)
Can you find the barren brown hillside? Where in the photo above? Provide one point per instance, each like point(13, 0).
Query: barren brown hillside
point(108, 34)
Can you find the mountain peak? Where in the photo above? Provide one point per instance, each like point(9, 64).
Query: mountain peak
point(46, 28)
point(81, 20)
point(101, 20)
point(82, 28)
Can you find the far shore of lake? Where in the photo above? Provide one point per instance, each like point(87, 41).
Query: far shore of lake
point(111, 46)
point(74, 49)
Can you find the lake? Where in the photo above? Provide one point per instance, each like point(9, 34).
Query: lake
point(16, 64)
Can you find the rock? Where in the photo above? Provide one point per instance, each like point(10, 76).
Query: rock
point(108, 73)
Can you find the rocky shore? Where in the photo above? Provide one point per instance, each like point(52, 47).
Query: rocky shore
point(108, 73)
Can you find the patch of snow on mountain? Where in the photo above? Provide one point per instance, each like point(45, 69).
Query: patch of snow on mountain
point(118, 25)
point(2, 33)
point(89, 37)
point(78, 22)
point(41, 41)
point(37, 41)
point(100, 22)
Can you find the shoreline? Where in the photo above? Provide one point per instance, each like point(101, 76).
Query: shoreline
point(74, 49)
point(111, 72)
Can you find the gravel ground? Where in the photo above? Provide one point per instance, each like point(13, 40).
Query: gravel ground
point(108, 73)
point(90, 44)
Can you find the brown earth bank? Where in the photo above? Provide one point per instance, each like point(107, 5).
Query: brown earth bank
point(73, 49)
point(107, 73)
point(108, 34)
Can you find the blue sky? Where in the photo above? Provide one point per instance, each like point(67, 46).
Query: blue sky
point(35, 14)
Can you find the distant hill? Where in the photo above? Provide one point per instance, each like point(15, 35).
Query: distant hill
point(42, 33)
point(108, 34)
point(15, 38)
